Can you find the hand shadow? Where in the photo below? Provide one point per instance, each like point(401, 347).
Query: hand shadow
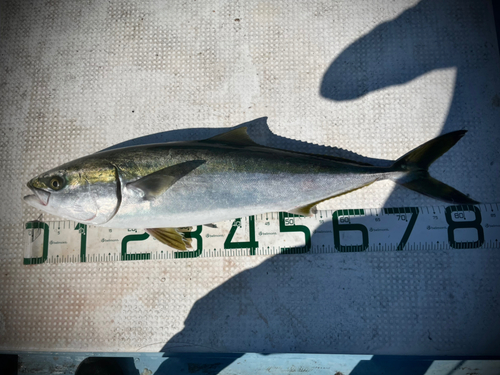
point(423, 38)
point(428, 36)
point(363, 304)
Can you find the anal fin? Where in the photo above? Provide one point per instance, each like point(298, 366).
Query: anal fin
point(310, 208)
point(307, 210)
point(173, 237)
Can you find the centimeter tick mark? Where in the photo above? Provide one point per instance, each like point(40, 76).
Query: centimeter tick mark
point(430, 228)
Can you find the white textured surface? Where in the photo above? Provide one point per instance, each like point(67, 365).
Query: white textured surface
point(376, 78)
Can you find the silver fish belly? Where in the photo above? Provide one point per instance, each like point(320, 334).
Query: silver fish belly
point(236, 183)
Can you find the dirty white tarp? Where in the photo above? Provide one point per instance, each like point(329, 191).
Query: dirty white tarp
point(350, 78)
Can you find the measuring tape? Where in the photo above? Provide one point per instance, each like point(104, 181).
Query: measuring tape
point(349, 230)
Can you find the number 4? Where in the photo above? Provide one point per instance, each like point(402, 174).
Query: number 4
point(252, 243)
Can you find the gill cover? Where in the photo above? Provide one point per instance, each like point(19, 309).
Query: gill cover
point(101, 199)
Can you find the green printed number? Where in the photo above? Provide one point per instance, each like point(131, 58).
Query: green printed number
point(199, 245)
point(137, 256)
point(401, 214)
point(287, 224)
point(252, 243)
point(457, 212)
point(82, 229)
point(341, 223)
point(39, 225)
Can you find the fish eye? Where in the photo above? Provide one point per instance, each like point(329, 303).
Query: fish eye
point(56, 183)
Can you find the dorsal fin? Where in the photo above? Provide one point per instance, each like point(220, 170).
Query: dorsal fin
point(235, 137)
point(343, 160)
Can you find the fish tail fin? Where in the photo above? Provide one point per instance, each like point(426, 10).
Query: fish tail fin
point(417, 162)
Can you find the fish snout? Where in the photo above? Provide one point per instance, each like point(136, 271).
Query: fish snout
point(40, 197)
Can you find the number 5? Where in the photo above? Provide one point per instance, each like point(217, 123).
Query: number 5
point(287, 224)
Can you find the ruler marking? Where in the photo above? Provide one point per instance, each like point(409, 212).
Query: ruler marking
point(380, 228)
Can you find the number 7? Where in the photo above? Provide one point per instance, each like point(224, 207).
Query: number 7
point(405, 210)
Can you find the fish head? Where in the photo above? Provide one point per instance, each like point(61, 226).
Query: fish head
point(86, 190)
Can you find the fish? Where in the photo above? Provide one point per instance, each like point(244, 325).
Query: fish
point(166, 186)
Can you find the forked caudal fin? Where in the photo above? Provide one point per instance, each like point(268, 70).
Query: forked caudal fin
point(417, 161)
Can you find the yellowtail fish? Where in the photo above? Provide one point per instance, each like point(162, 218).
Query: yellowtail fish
point(166, 186)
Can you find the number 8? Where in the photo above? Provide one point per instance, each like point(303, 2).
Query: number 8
point(476, 223)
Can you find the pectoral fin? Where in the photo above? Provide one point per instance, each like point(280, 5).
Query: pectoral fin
point(155, 184)
point(173, 237)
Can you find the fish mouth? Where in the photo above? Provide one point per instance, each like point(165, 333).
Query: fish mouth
point(40, 198)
